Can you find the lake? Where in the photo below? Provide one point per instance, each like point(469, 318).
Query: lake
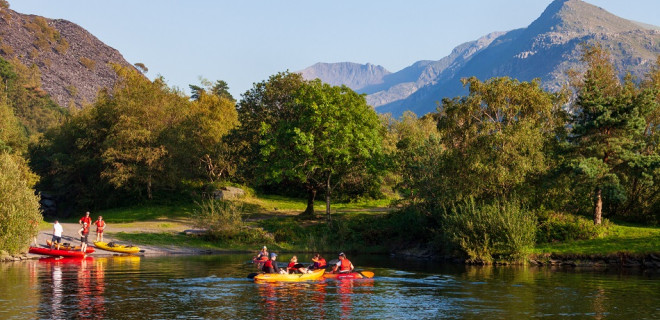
point(216, 287)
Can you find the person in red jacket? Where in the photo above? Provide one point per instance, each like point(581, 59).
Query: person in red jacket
point(83, 232)
point(319, 262)
point(343, 266)
point(86, 218)
point(270, 265)
point(295, 267)
point(100, 226)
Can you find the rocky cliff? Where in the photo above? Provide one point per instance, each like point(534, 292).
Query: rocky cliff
point(72, 64)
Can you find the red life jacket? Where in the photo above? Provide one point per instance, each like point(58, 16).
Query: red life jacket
point(268, 264)
point(100, 225)
point(345, 265)
point(322, 263)
point(85, 229)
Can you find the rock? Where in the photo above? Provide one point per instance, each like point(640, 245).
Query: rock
point(227, 193)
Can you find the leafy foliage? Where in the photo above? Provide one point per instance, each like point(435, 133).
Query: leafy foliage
point(490, 231)
point(19, 207)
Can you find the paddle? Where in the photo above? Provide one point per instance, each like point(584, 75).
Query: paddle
point(252, 275)
point(366, 274)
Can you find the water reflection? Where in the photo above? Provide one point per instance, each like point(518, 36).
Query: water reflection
point(215, 287)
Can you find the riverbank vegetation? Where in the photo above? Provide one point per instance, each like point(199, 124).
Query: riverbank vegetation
point(495, 175)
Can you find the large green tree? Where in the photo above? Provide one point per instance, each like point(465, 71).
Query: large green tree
point(609, 118)
point(310, 133)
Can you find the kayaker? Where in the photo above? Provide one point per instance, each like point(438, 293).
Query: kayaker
point(319, 262)
point(270, 265)
point(343, 266)
point(292, 268)
point(100, 225)
point(57, 235)
point(261, 258)
point(83, 232)
point(86, 218)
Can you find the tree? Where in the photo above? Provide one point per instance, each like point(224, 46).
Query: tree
point(19, 206)
point(310, 133)
point(608, 119)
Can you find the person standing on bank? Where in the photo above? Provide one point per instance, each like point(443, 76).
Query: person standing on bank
point(57, 235)
point(83, 232)
point(100, 225)
point(86, 218)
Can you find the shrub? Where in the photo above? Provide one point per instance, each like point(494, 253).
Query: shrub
point(490, 231)
point(19, 207)
point(566, 227)
point(88, 63)
point(221, 219)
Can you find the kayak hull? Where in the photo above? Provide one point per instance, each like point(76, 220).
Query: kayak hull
point(277, 277)
point(339, 276)
point(57, 253)
point(116, 248)
point(70, 248)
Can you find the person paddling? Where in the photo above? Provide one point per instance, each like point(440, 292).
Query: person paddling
point(100, 226)
point(319, 262)
point(295, 267)
point(270, 265)
point(261, 258)
point(343, 266)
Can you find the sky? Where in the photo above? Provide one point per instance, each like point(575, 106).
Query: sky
point(245, 42)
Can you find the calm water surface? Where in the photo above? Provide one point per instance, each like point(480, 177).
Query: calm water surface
point(216, 287)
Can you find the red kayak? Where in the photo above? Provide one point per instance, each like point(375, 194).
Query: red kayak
point(350, 275)
point(65, 260)
point(59, 253)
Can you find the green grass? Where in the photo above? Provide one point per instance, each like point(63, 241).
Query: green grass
point(619, 238)
point(268, 203)
point(144, 213)
point(181, 240)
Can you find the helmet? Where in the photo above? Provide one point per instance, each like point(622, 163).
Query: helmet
point(341, 254)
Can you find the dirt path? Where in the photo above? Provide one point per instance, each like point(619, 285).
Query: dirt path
point(70, 235)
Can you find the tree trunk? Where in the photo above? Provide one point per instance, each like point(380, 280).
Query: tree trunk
point(327, 199)
point(311, 195)
point(598, 211)
point(149, 195)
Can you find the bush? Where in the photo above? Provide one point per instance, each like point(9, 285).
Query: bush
point(221, 219)
point(19, 207)
point(490, 231)
point(566, 227)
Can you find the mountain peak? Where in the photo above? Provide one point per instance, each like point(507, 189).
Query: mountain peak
point(577, 16)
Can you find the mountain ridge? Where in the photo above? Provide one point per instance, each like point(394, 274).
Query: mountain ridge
point(545, 49)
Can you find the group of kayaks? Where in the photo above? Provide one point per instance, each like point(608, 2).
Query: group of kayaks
point(315, 275)
point(66, 250)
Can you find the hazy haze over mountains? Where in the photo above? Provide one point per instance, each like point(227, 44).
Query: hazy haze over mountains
point(546, 49)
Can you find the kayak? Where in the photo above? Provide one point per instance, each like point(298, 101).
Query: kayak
point(58, 253)
point(274, 277)
point(350, 275)
point(70, 248)
point(65, 260)
point(116, 247)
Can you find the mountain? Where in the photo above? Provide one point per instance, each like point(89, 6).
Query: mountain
point(546, 49)
point(73, 64)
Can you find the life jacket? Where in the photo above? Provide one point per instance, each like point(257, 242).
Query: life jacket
point(267, 265)
point(100, 225)
point(85, 229)
point(345, 265)
point(322, 263)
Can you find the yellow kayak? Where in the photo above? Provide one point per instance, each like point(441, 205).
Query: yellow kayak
point(116, 247)
point(274, 277)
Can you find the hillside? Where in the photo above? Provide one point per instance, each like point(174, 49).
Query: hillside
point(72, 63)
point(546, 49)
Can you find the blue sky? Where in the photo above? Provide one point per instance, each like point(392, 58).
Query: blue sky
point(243, 42)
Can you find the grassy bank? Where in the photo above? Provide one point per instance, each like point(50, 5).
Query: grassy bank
point(619, 238)
point(357, 227)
